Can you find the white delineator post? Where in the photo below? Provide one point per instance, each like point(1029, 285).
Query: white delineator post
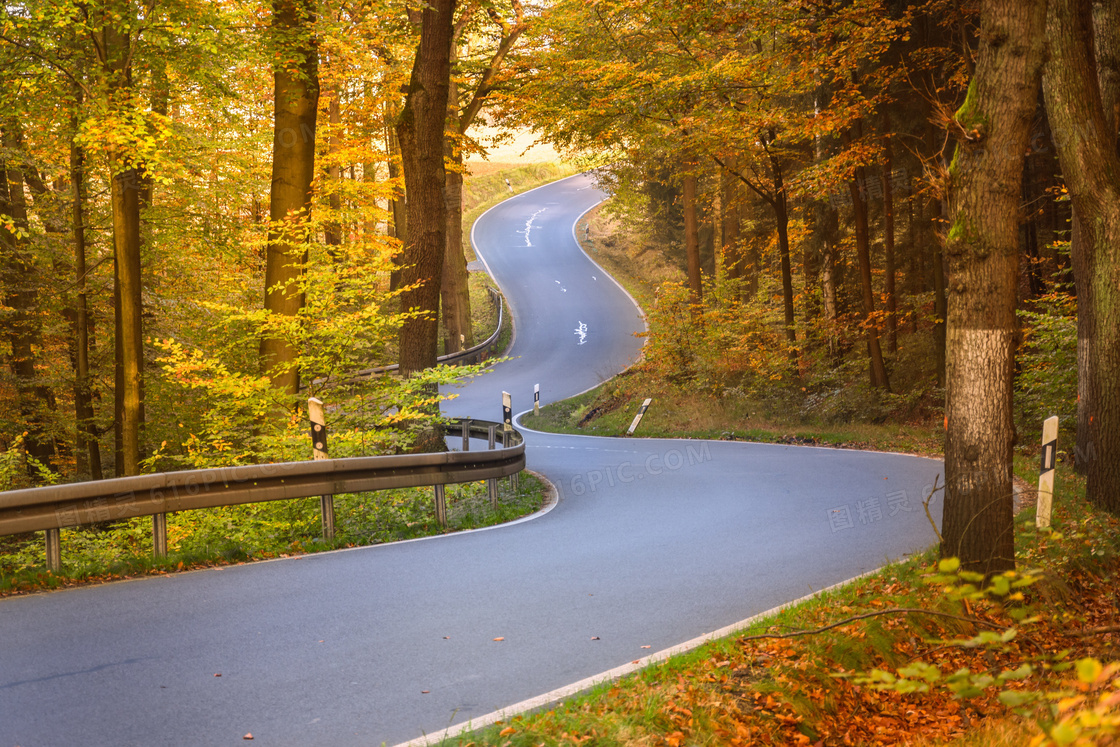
point(536, 399)
point(319, 451)
point(1046, 472)
point(638, 417)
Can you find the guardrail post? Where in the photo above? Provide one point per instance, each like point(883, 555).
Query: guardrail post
point(441, 506)
point(492, 484)
point(467, 435)
point(54, 550)
point(159, 536)
point(319, 451)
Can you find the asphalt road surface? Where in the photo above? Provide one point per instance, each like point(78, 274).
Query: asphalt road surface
point(652, 543)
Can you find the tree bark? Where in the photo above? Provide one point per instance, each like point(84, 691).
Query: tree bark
point(877, 367)
point(692, 238)
point(420, 132)
point(1085, 140)
point(730, 220)
point(88, 446)
point(332, 228)
point(993, 130)
point(1106, 45)
point(455, 290)
point(116, 54)
point(295, 106)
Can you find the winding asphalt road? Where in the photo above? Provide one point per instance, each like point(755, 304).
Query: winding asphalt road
point(652, 543)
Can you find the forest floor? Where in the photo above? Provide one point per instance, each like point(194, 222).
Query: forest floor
point(913, 654)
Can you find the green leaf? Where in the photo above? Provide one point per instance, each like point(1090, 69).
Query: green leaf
point(949, 565)
point(1088, 670)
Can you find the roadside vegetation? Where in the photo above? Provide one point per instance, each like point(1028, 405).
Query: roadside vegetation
point(913, 654)
point(258, 531)
point(239, 534)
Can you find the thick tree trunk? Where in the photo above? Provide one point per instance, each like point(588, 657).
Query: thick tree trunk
point(420, 131)
point(296, 94)
point(1106, 45)
point(692, 237)
point(1085, 139)
point(993, 127)
point(455, 294)
point(129, 314)
point(115, 54)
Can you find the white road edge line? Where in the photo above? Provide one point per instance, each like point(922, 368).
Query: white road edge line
point(549, 698)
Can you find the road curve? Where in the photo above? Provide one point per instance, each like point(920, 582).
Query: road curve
point(652, 543)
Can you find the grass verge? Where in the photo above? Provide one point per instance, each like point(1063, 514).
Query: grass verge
point(258, 531)
point(954, 665)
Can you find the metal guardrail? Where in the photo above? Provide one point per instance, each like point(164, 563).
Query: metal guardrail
point(474, 354)
point(57, 507)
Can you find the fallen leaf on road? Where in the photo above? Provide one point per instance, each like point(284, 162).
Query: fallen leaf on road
point(499, 638)
point(425, 692)
point(248, 736)
point(647, 646)
point(219, 674)
point(594, 637)
point(447, 638)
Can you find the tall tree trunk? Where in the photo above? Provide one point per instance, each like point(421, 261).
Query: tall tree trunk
point(730, 220)
point(888, 238)
point(825, 225)
point(88, 446)
point(781, 215)
point(692, 237)
point(296, 94)
point(878, 369)
point(1086, 144)
point(398, 206)
point(993, 129)
point(116, 52)
point(332, 228)
point(420, 131)
point(1106, 45)
point(455, 293)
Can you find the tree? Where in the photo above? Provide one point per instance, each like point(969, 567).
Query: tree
point(1078, 86)
point(420, 132)
point(455, 293)
point(295, 107)
point(992, 129)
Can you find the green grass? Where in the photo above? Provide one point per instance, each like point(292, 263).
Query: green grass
point(642, 708)
point(609, 409)
point(235, 534)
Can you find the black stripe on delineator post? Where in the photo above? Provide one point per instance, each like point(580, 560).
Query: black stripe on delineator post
point(1049, 456)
